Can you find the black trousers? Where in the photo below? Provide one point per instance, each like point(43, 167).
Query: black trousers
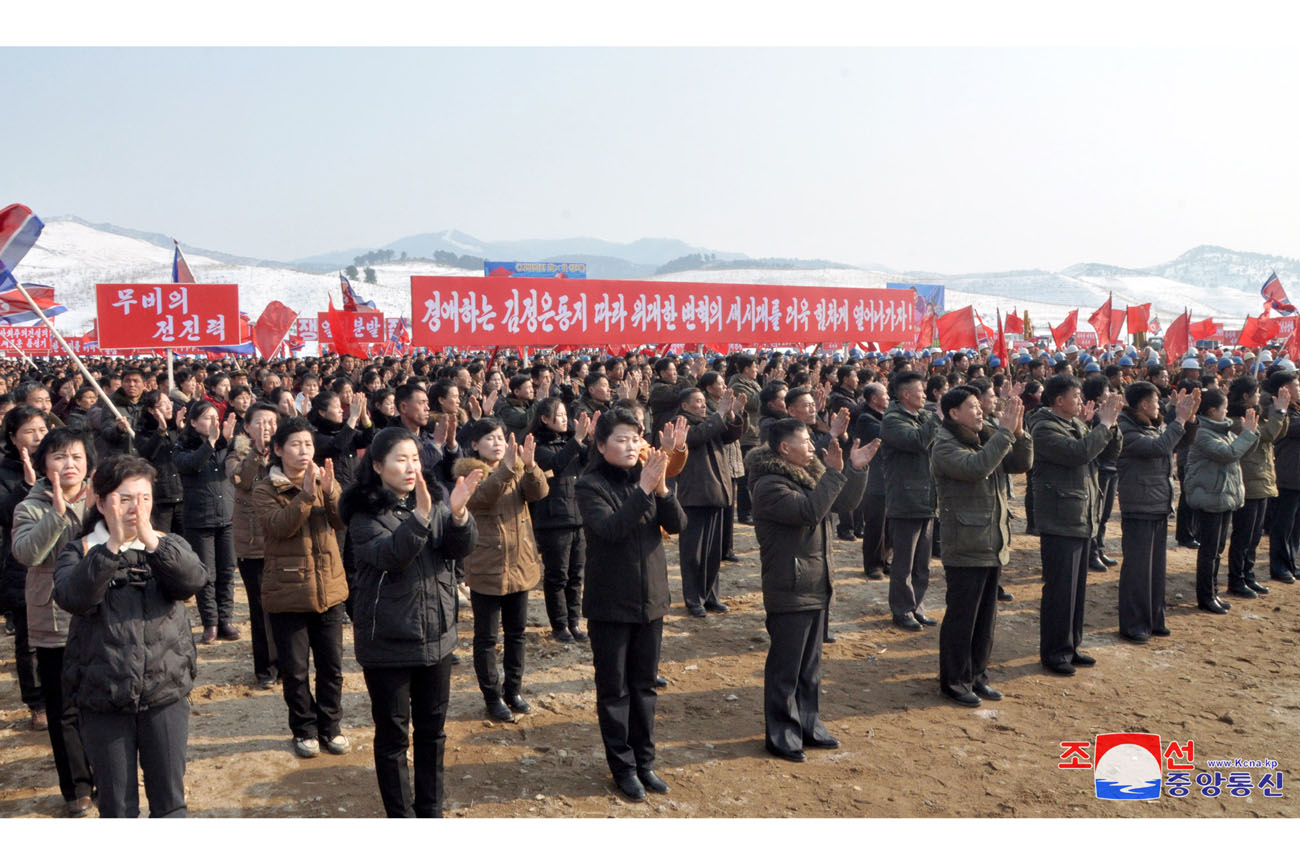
point(729, 523)
point(1212, 532)
point(398, 697)
point(910, 575)
point(1029, 501)
point(875, 533)
point(215, 545)
point(1284, 533)
point(792, 679)
point(700, 550)
point(29, 678)
point(65, 734)
point(626, 658)
point(1142, 574)
point(510, 612)
point(264, 654)
point(1065, 576)
point(153, 740)
point(564, 554)
point(318, 637)
point(1108, 483)
point(1185, 518)
point(744, 508)
point(966, 635)
point(166, 518)
point(1247, 530)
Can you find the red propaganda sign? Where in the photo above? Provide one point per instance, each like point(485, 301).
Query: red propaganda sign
point(475, 311)
point(367, 325)
point(306, 328)
point(34, 340)
point(169, 315)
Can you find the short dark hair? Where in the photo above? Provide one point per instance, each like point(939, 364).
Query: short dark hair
point(1094, 386)
point(296, 424)
point(783, 430)
point(519, 381)
point(617, 416)
point(60, 438)
point(1057, 386)
point(404, 392)
point(1139, 391)
point(259, 407)
point(771, 391)
point(955, 397)
point(899, 379)
point(1211, 399)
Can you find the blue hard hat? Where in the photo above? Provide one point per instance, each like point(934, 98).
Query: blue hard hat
point(1092, 367)
point(1059, 356)
point(995, 361)
point(908, 355)
point(1126, 361)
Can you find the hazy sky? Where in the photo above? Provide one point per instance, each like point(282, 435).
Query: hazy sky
point(944, 159)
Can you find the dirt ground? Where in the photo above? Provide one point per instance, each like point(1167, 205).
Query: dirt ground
point(1229, 683)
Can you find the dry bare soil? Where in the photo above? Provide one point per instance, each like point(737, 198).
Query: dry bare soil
point(1229, 683)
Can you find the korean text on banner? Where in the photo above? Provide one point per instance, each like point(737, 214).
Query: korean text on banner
point(367, 325)
point(170, 315)
point(473, 311)
point(34, 340)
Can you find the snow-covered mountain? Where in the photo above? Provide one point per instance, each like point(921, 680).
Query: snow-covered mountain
point(73, 256)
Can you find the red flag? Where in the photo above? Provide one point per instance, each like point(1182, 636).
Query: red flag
point(925, 331)
point(1000, 346)
point(1015, 324)
point(1066, 329)
point(272, 327)
point(341, 333)
point(1202, 330)
point(1137, 318)
point(957, 330)
point(1107, 322)
point(1258, 331)
point(986, 334)
point(1292, 347)
point(1177, 338)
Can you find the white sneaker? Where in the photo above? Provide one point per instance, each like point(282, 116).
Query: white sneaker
point(306, 748)
point(337, 745)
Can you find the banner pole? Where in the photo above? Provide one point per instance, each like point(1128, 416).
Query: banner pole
point(90, 377)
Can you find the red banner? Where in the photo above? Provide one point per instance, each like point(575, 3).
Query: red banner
point(34, 340)
point(475, 311)
point(169, 315)
point(367, 325)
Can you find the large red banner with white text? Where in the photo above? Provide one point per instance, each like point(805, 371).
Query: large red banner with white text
point(474, 311)
point(33, 340)
point(167, 315)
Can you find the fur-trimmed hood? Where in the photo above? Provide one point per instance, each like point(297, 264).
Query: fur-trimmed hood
point(762, 461)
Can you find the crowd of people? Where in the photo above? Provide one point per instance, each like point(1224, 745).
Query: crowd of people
point(373, 495)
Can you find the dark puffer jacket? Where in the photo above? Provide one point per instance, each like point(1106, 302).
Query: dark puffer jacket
point(338, 442)
point(404, 602)
point(158, 446)
point(627, 574)
point(209, 496)
point(1066, 494)
point(792, 521)
point(905, 439)
point(970, 474)
point(129, 647)
point(13, 574)
point(1286, 452)
point(110, 439)
point(1145, 464)
point(562, 458)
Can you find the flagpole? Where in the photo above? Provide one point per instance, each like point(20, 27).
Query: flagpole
point(90, 377)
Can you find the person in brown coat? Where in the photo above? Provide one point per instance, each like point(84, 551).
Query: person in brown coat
point(303, 585)
point(247, 462)
point(504, 565)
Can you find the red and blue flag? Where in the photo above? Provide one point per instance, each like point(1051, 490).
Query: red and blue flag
point(19, 229)
point(181, 272)
point(14, 309)
point(1274, 296)
point(352, 302)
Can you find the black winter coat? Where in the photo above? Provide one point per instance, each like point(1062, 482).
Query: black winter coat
point(13, 574)
point(792, 521)
point(627, 574)
point(1145, 464)
point(338, 442)
point(158, 447)
point(705, 481)
point(403, 592)
point(562, 458)
point(129, 647)
point(209, 495)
